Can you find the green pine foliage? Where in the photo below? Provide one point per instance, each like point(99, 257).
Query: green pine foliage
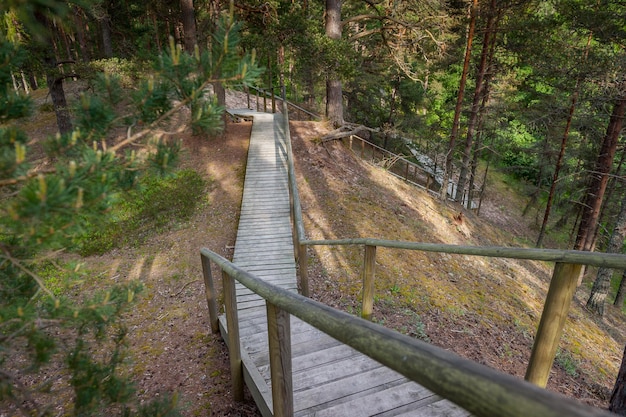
point(59, 347)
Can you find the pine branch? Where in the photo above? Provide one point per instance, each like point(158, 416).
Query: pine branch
point(18, 264)
point(26, 177)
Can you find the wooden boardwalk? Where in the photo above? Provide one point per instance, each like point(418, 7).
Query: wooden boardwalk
point(329, 378)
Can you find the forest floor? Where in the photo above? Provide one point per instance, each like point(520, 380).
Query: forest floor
point(483, 309)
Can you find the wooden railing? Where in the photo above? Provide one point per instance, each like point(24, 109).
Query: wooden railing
point(410, 172)
point(556, 307)
point(482, 391)
point(262, 95)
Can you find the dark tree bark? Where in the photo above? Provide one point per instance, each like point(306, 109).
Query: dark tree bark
point(459, 102)
point(476, 101)
point(600, 177)
point(481, 118)
point(157, 35)
point(334, 89)
point(560, 158)
point(188, 17)
point(107, 43)
point(80, 35)
point(621, 292)
point(32, 81)
point(57, 93)
point(617, 404)
point(601, 285)
point(53, 78)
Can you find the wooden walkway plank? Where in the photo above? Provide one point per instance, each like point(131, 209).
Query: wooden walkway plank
point(329, 378)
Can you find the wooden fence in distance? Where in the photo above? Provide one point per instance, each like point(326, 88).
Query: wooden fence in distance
point(409, 171)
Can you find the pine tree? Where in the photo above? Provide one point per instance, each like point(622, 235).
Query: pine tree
point(59, 350)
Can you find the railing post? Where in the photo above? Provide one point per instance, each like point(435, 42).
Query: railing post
point(279, 337)
point(303, 263)
point(406, 172)
point(248, 95)
point(562, 288)
point(369, 263)
point(234, 349)
point(209, 292)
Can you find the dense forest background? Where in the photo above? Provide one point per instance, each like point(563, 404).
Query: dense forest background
point(535, 88)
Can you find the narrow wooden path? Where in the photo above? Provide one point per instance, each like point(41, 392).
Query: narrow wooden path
point(329, 378)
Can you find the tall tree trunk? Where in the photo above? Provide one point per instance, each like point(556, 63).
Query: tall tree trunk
point(32, 80)
point(478, 93)
point(57, 93)
point(621, 292)
point(157, 33)
point(334, 91)
point(80, 35)
point(481, 114)
point(16, 87)
point(617, 404)
point(53, 78)
point(558, 166)
point(601, 285)
point(188, 17)
point(600, 177)
point(559, 161)
point(218, 87)
point(459, 102)
point(107, 42)
point(24, 82)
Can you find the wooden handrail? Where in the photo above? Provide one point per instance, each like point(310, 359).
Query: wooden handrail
point(606, 260)
point(563, 285)
point(481, 390)
point(295, 209)
point(271, 94)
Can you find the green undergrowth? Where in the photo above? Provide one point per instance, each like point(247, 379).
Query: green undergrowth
point(158, 203)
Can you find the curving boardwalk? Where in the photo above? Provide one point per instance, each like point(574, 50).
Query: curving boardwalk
point(329, 378)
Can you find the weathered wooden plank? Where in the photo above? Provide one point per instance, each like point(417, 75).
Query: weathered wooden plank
point(246, 292)
point(341, 389)
point(264, 188)
point(280, 279)
point(265, 212)
point(335, 370)
point(273, 211)
point(258, 231)
point(304, 348)
point(257, 344)
point(315, 358)
point(247, 245)
point(263, 250)
point(278, 262)
point(329, 369)
point(271, 270)
point(432, 406)
point(300, 332)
